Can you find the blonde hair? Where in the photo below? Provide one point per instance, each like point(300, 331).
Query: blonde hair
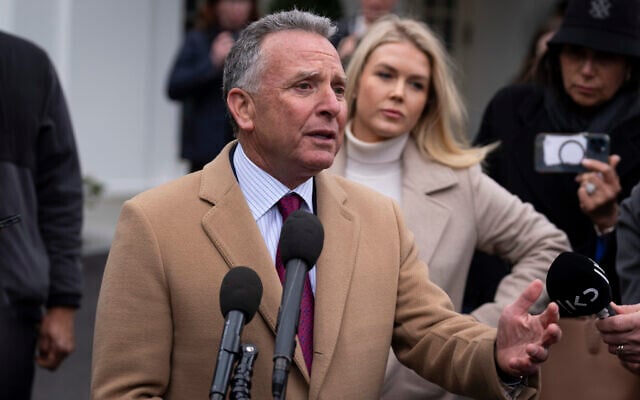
point(439, 133)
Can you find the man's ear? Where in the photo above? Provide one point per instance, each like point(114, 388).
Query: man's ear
point(241, 107)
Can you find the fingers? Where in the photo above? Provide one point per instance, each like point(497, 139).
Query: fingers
point(626, 352)
point(633, 367)
point(528, 297)
point(552, 335)
point(598, 191)
point(608, 170)
point(551, 315)
point(51, 354)
point(626, 309)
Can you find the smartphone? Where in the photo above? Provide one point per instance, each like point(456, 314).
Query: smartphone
point(563, 152)
point(8, 221)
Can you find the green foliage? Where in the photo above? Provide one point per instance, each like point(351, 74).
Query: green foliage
point(93, 189)
point(328, 8)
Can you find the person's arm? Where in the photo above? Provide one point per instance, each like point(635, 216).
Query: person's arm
point(193, 70)
point(454, 350)
point(59, 194)
point(514, 231)
point(133, 336)
point(628, 254)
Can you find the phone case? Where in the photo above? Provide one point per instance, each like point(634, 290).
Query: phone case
point(563, 152)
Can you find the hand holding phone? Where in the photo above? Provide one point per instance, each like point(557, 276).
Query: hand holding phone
point(564, 152)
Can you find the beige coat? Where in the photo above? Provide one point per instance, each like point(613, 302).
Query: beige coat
point(452, 212)
point(158, 322)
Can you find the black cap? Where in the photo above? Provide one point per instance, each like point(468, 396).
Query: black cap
point(612, 26)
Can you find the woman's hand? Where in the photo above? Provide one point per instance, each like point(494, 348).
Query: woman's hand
point(598, 191)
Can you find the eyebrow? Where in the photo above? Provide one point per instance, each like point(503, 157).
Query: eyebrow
point(385, 65)
point(314, 75)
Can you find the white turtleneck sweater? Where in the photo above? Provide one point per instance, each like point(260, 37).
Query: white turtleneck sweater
point(376, 165)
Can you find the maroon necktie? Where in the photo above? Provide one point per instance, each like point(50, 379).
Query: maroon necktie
point(286, 206)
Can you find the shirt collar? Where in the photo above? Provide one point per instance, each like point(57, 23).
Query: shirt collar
point(261, 190)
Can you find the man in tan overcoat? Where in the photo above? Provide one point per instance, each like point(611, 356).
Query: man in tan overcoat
point(158, 325)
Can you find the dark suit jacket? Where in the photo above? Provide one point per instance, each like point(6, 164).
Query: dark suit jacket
point(159, 324)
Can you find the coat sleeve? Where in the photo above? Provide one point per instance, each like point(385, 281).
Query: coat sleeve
point(59, 194)
point(628, 254)
point(133, 308)
point(514, 231)
point(445, 347)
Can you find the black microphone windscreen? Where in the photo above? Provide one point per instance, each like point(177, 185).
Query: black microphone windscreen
point(301, 238)
point(241, 290)
point(578, 284)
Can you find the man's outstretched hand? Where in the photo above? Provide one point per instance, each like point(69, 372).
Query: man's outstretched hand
point(523, 340)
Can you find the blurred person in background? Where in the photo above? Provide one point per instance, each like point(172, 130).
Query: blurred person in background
point(40, 218)
point(588, 81)
point(628, 255)
point(405, 138)
point(196, 78)
point(351, 29)
point(538, 44)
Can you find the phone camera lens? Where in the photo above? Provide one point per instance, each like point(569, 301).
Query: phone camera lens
point(597, 145)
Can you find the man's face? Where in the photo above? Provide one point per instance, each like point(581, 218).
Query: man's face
point(299, 111)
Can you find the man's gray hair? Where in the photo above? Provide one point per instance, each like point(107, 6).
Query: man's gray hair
point(243, 65)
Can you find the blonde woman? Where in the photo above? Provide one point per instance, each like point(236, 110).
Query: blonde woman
point(405, 138)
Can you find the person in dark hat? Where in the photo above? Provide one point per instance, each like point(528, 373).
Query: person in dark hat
point(588, 82)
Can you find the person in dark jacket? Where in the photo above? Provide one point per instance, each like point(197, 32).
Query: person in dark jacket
point(588, 82)
point(628, 255)
point(196, 78)
point(40, 218)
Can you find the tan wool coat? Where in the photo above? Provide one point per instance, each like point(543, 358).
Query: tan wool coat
point(159, 325)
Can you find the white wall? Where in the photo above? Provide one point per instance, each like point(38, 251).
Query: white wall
point(493, 36)
point(113, 58)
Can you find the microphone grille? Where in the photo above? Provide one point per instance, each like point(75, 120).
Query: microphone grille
point(302, 237)
point(578, 284)
point(241, 290)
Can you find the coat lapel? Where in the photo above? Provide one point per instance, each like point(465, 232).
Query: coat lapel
point(333, 275)
point(426, 216)
point(422, 178)
point(234, 233)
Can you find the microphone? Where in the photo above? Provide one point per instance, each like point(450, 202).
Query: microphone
point(579, 286)
point(301, 241)
point(240, 294)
